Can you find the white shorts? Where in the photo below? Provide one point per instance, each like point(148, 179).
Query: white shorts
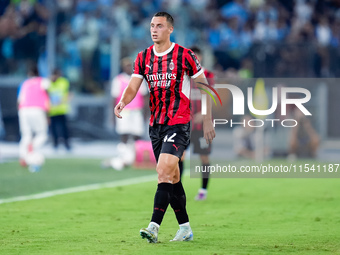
point(131, 123)
point(34, 130)
point(32, 120)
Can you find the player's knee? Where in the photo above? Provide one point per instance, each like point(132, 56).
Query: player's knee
point(165, 173)
point(165, 179)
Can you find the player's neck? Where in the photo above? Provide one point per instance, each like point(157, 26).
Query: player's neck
point(163, 46)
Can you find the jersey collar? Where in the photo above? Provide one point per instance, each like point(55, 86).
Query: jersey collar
point(164, 52)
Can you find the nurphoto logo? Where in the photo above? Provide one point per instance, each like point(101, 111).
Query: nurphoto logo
point(255, 104)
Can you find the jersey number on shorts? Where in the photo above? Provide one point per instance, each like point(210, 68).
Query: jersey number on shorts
point(170, 139)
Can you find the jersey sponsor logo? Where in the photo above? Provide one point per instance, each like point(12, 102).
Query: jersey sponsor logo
point(161, 80)
point(161, 76)
point(160, 84)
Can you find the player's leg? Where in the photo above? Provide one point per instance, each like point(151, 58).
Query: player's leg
point(151, 232)
point(178, 200)
point(40, 129)
point(181, 166)
point(124, 138)
point(174, 194)
point(202, 192)
point(203, 149)
point(178, 204)
point(64, 131)
point(178, 140)
point(314, 145)
point(54, 131)
point(169, 144)
point(166, 167)
point(26, 136)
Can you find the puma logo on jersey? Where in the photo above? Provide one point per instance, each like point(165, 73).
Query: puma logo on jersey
point(148, 66)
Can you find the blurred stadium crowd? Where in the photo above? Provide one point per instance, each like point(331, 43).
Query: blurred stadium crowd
point(22, 34)
point(291, 38)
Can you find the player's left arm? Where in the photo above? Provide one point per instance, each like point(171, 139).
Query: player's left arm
point(208, 128)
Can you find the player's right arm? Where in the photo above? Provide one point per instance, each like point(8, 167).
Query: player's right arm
point(128, 94)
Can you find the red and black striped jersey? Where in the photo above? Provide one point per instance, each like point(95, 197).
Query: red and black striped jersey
point(196, 100)
point(168, 77)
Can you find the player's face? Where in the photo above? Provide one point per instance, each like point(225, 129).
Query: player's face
point(199, 56)
point(127, 68)
point(160, 29)
point(54, 77)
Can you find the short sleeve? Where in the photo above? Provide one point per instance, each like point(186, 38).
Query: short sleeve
point(194, 68)
point(137, 67)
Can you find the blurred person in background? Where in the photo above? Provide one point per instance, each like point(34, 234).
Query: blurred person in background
point(244, 140)
point(87, 27)
point(197, 136)
point(59, 108)
point(33, 105)
point(23, 26)
point(131, 126)
point(247, 69)
point(304, 140)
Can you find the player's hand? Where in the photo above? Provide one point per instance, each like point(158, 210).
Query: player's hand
point(119, 107)
point(209, 130)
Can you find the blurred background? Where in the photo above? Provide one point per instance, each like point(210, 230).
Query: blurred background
point(86, 40)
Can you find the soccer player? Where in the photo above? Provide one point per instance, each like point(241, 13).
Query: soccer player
point(167, 67)
point(197, 136)
point(33, 104)
point(131, 126)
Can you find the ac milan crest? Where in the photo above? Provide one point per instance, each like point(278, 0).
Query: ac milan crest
point(171, 65)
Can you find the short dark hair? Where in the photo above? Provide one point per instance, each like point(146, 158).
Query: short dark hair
point(33, 70)
point(196, 50)
point(168, 17)
point(56, 71)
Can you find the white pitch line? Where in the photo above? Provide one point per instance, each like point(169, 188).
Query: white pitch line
point(81, 188)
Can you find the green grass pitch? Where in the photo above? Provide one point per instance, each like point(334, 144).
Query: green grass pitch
point(240, 216)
